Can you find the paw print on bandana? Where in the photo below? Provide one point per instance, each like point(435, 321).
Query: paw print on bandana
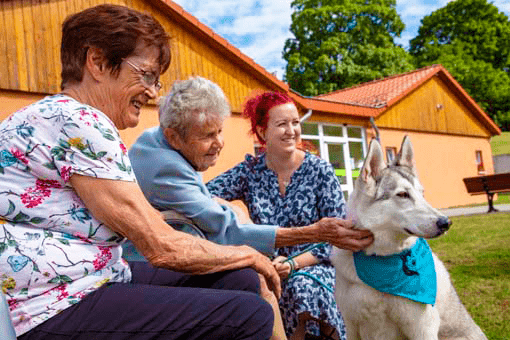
point(409, 263)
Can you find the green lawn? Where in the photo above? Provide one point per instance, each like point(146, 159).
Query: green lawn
point(476, 252)
point(501, 144)
point(503, 198)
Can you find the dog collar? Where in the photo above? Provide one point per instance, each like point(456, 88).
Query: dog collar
point(410, 274)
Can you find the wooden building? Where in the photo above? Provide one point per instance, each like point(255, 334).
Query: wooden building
point(448, 129)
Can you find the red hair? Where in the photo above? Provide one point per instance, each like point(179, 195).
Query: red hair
point(257, 109)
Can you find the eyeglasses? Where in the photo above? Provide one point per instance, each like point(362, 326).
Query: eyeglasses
point(149, 79)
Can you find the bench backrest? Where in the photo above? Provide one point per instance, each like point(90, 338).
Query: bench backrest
point(492, 183)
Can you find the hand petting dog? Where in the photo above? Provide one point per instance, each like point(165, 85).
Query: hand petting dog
point(341, 234)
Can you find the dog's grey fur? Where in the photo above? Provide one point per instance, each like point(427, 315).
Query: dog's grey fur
point(388, 200)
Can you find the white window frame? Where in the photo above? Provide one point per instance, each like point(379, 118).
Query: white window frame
point(344, 140)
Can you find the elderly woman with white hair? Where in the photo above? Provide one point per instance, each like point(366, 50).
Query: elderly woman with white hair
point(167, 161)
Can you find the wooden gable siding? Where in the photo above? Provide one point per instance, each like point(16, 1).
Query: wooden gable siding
point(29, 40)
point(433, 108)
point(30, 32)
point(339, 119)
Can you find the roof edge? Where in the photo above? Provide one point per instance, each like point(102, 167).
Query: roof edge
point(217, 41)
point(327, 106)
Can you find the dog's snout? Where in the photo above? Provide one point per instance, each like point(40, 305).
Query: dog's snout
point(443, 223)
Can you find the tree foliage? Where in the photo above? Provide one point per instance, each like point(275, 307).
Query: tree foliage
point(470, 38)
point(340, 43)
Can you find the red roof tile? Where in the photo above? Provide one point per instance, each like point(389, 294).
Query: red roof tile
point(380, 93)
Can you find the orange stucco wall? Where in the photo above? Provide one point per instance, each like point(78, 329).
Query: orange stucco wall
point(442, 162)
point(12, 101)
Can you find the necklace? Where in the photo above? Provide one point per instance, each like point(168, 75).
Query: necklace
point(284, 174)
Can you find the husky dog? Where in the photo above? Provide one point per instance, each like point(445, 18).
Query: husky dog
point(397, 288)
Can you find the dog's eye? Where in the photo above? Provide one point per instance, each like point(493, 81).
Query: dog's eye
point(403, 194)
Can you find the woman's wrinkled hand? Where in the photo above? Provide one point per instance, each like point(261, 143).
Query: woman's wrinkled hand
point(262, 264)
point(341, 234)
point(283, 268)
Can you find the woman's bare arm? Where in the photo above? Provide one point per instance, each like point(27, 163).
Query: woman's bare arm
point(338, 232)
point(122, 207)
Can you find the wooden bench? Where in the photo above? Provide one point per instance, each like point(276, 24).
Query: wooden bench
point(489, 185)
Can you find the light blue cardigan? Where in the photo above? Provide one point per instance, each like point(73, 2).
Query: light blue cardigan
point(170, 183)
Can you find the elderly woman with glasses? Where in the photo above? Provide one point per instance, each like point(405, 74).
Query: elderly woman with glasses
point(69, 199)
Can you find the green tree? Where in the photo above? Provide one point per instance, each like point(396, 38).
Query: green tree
point(479, 25)
point(340, 43)
point(470, 38)
point(489, 87)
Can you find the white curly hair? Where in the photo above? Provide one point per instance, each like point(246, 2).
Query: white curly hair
point(191, 97)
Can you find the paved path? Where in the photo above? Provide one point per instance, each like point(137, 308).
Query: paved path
point(474, 210)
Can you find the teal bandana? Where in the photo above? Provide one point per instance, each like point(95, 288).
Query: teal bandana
point(410, 274)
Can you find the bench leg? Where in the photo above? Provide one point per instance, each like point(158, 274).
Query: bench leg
point(490, 197)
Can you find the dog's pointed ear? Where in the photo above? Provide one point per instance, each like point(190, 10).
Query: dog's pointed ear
point(374, 163)
point(405, 156)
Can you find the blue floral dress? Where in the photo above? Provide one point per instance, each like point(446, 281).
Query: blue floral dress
point(313, 193)
point(53, 252)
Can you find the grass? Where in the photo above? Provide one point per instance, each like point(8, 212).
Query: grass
point(501, 144)
point(503, 198)
point(476, 252)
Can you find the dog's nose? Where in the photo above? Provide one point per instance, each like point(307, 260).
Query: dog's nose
point(443, 223)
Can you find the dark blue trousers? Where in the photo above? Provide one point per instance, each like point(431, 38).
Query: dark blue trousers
point(162, 304)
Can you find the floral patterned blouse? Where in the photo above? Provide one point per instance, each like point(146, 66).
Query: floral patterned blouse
point(53, 252)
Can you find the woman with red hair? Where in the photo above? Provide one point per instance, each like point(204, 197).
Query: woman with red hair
point(287, 186)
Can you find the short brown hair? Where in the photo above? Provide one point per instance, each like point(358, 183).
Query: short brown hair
point(116, 30)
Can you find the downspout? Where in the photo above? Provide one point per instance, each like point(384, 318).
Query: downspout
point(306, 116)
point(377, 136)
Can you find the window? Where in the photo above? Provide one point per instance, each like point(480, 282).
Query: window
point(390, 153)
point(479, 162)
point(343, 146)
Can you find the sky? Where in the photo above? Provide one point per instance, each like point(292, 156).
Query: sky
point(259, 28)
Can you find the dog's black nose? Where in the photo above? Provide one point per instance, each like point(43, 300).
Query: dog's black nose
point(443, 223)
